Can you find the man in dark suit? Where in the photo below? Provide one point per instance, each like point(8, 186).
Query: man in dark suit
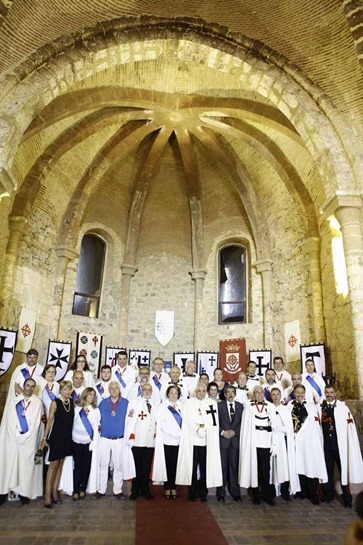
point(229, 414)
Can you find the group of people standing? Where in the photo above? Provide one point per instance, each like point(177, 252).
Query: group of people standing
point(273, 435)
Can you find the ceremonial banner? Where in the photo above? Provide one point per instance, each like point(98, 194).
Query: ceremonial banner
point(59, 354)
point(90, 346)
point(111, 354)
point(263, 359)
point(207, 362)
point(7, 348)
point(26, 330)
point(164, 326)
point(315, 352)
point(292, 340)
point(232, 358)
point(180, 359)
point(167, 366)
point(139, 358)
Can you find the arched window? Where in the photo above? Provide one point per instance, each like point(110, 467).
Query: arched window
point(232, 284)
point(87, 295)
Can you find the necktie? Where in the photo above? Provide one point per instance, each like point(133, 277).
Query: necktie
point(231, 411)
point(148, 407)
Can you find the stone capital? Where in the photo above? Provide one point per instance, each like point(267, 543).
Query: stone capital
point(66, 251)
point(128, 269)
point(8, 182)
point(198, 275)
point(340, 200)
point(263, 265)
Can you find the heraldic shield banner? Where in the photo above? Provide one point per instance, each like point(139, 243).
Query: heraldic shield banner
point(232, 358)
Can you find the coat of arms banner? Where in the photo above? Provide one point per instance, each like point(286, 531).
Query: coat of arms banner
point(232, 355)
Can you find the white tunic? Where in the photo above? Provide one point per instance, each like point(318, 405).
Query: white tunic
point(319, 381)
point(168, 432)
point(125, 376)
point(18, 471)
point(140, 424)
point(198, 413)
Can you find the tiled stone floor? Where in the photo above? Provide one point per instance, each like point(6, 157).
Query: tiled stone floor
point(109, 521)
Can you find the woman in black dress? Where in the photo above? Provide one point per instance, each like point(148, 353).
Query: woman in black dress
point(58, 437)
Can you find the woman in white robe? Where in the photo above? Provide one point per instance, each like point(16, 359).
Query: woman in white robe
point(80, 364)
point(48, 387)
point(168, 432)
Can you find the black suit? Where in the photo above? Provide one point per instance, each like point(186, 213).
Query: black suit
point(229, 448)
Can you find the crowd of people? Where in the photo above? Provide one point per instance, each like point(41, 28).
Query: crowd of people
point(277, 435)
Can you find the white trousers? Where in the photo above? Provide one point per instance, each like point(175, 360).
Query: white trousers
point(108, 448)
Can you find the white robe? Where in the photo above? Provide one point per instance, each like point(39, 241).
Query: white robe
point(191, 418)
point(248, 470)
point(167, 432)
point(348, 445)
point(283, 467)
point(88, 381)
point(319, 381)
point(18, 471)
point(44, 395)
point(309, 452)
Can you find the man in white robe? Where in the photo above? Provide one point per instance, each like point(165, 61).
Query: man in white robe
point(311, 395)
point(270, 382)
point(125, 374)
point(158, 376)
point(242, 390)
point(101, 386)
point(19, 442)
point(190, 377)
point(140, 433)
point(29, 369)
point(309, 453)
point(283, 469)
point(199, 446)
point(175, 380)
point(258, 421)
point(283, 377)
point(312, 381)
point(252, 378)
point(144, 378)
point(341, 446)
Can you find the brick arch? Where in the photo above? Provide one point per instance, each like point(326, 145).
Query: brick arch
point(261, 70)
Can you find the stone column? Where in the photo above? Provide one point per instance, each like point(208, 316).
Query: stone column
point(64, 255)
point(17, 226)
point(198, 277)
point(128, 272)
point(312, 250)
point(347, 209)
point(264, 267)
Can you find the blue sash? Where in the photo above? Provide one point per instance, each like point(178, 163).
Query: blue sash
point(25, 373)
point(157, 382)
point(267, 394)
point(21, 417)
point(100, 389)
point(74, 395)
point(86, 423)
point(312, 383)
point(176, 415)
point(120, 379)
point(139, 391)
point(52, 396)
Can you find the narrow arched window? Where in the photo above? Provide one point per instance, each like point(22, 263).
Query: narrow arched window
point(232, 284)
point(86, 301)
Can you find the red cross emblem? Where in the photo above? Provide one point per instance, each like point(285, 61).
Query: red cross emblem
point(292, 341)
point(142, 415)
point(26, 330)
point(95, 340)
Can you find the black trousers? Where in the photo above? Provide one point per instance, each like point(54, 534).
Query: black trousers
point(82, 457)
point(309, 487)
point(229, 459)
point(171, 458)
point(199, 487)
point(332, 457)
point(143, 457)
point(264, 490)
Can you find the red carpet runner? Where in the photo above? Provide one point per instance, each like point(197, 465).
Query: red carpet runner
point(175, 522)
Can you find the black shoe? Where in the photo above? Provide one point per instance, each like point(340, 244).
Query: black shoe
point(299, 496)
point(221, 499)
point(98, 495)
point(286, 497)
point(271, 502)
point(237, 498)
point(3, 498)
point(133, 496)
point(347, 501)
point(204, 499)
point(120, 496)
point(24, 500)
point(256, 501)
point(147, 495)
